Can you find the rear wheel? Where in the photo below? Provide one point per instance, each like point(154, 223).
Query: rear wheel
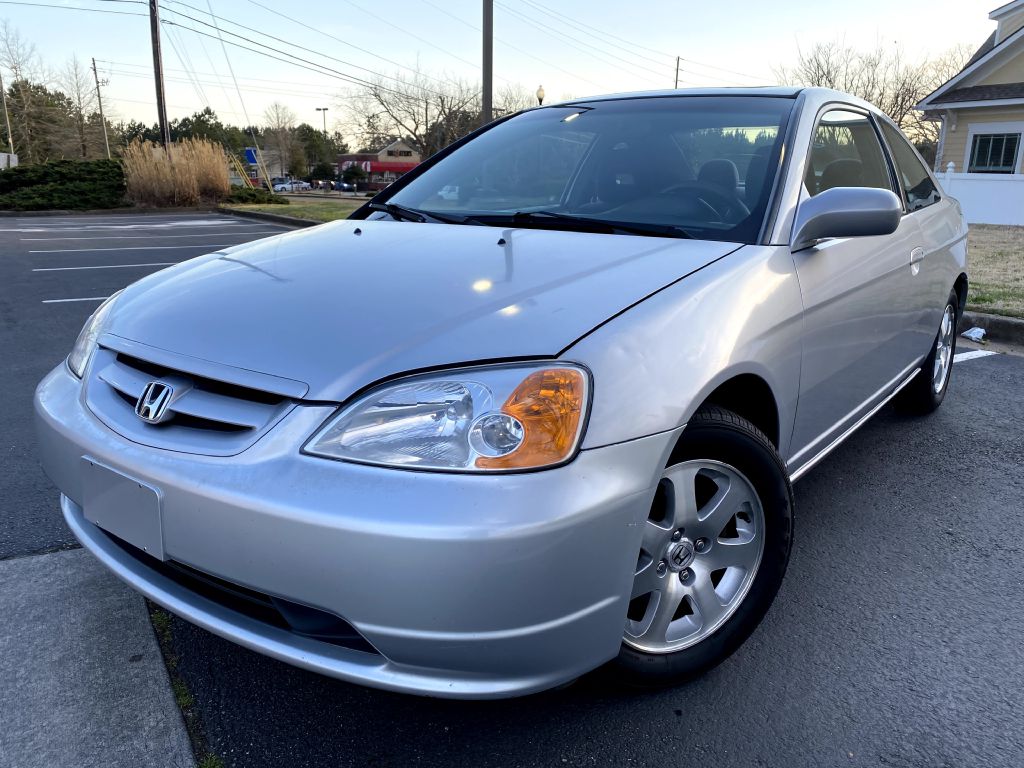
point(713, 553)
point(927, 390)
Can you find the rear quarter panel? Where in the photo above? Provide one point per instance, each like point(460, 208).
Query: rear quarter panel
point(654, 364)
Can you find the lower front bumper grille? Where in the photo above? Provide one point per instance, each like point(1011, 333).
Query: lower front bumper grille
point(259, 606)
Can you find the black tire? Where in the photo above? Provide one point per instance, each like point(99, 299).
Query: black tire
point(720, 435)
point(919, 396)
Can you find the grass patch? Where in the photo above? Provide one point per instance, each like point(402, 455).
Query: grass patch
point(995, 265)
point(317, 210)
point(186, 702)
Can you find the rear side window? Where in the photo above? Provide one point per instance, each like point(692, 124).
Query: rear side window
point(845, 152)
point(918, 188)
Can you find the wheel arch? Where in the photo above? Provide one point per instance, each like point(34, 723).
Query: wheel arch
point(960, 287)
point(750, 396)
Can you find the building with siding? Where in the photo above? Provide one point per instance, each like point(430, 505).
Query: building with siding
point(980, 156)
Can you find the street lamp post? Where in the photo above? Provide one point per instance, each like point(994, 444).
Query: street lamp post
point(540, 95)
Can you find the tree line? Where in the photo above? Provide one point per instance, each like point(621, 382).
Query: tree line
point(56, 115)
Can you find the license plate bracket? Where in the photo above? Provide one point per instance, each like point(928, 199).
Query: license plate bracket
point(122, 506)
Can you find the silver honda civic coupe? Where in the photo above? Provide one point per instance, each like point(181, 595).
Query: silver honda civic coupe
point(536, 407)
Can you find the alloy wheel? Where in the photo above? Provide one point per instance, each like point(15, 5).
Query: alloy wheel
point(944, 349)
point(701, 548)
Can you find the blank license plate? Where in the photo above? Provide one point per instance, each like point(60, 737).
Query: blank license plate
point(122, 506)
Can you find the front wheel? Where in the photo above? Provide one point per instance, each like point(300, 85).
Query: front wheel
point(713, 553)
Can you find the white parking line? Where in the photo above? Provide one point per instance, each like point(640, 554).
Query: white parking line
point(99, 226)
point(960, 357)
point(65, 301)
point(106, 266)
point(137, 248)
point(150, 237)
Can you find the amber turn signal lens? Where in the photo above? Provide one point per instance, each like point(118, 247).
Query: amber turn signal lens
point(549, 404)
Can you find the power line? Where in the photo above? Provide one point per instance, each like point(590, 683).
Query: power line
point(311, 94)
point(423, 40)
point(345, 42)
point(293, 60)
point(586, 29)
point(211, 74)
point(575, 42)
point(71, 7)
point(594, 30)
point(511, 46)
point(173, 34)
point(362, 81)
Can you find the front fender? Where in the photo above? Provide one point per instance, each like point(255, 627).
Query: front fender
point(655, 364)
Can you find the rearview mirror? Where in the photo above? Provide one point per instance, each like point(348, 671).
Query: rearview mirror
point(846, 212)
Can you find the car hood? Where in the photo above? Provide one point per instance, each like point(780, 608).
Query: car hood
point(342, 305)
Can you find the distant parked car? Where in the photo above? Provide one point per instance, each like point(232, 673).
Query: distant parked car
point(344, 186)
point(292, 186)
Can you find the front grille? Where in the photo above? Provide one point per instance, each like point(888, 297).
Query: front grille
point(273, 611)
point(206, 416)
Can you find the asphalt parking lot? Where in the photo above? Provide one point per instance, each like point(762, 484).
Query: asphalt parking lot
point(897, 638)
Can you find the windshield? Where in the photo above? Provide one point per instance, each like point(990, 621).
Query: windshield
point(700, 165)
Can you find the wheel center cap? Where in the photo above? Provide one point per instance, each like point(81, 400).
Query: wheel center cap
point(680, 554)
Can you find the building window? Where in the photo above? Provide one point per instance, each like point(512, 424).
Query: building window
point(390, 153)
point(405, 152)
point(994, 153)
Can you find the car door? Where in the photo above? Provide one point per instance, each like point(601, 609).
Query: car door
point(942, 236)
point(858, 327)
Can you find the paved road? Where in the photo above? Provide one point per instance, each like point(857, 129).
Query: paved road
point(896, 639)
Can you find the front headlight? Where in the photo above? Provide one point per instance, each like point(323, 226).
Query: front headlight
point(85, 344)
point(501, 418)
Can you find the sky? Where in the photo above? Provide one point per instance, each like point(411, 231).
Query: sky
point(571, 47)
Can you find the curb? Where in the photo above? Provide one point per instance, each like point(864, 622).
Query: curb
point(109, 211)
point(278, 218)
point(1009, 330)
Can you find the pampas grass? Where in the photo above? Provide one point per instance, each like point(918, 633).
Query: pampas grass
point(190, 172)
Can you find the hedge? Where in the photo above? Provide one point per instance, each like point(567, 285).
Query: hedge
point(243, 195)
point(63, 185)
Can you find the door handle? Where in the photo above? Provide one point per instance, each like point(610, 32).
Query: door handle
point(916, 257)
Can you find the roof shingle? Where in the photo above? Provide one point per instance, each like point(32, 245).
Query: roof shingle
point(983, 93)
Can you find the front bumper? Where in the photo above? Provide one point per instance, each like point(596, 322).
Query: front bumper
point(467, 586)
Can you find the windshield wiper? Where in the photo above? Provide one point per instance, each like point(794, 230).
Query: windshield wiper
point(584, 224)
point(402, 213)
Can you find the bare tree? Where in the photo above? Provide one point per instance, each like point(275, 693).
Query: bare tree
point(881, 75)
point(20, 58)
point(279, 122)
point(77, 84)
point(513, 97)
point(428, 113)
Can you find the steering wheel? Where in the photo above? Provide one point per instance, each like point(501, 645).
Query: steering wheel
point(718, 202)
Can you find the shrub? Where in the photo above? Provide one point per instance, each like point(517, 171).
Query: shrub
point(245, 195)
point(189, 172)
point(63, 185)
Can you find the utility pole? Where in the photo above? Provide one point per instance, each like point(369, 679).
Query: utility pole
point(99, 100)
point(7, 117)
point(158, 73)
point(486, 113)
point(677, 73)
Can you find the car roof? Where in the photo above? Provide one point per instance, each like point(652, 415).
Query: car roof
point(814, 97)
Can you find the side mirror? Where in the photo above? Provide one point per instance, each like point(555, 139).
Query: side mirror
point(846, 212)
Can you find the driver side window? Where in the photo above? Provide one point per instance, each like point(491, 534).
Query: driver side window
point(845, 152)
